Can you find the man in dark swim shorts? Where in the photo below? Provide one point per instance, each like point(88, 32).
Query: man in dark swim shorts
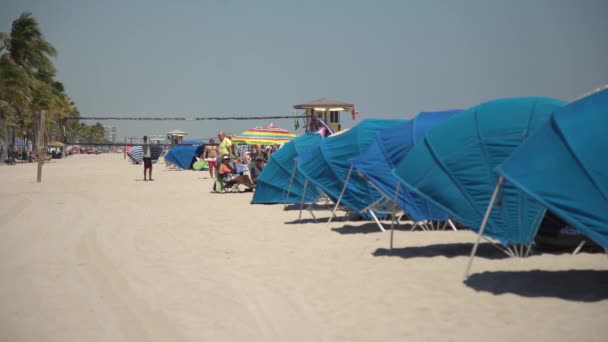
point(147, 159)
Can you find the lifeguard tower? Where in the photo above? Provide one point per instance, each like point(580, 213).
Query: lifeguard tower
point(176, 136)
point(326, 109)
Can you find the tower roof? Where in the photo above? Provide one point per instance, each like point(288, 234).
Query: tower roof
point(324, 103)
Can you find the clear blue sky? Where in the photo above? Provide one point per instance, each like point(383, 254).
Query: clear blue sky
point(389, 58)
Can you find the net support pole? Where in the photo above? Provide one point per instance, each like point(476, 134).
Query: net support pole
point(64, 131)
point(484, 223)
point(333, 212)
point(293, 174)
point(41, 146)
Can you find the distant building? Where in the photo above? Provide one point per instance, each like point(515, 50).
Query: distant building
point(326, 109)
point(109, 133)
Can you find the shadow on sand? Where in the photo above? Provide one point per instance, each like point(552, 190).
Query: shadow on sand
point(291, 207)
point(365, 228)
point(575, 285)
point(448, 250)
point(294, 207)
point(372, 227)
point(320, 220)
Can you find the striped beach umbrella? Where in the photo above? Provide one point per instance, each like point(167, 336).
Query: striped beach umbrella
point(155, 152)
point(136, 153)
point(265, 135)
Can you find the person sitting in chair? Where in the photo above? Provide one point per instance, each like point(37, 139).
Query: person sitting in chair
point(256, 168)
point(229, 174)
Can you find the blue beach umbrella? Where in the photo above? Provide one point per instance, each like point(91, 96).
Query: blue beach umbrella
point(453, 167)
point(564, 166)
point(182, 156)
point(389, 147)
point(327, 165)
point(278, 177)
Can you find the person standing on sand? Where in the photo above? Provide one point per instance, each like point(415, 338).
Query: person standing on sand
point(224, 148)
point(147, 159)
point(211, 157)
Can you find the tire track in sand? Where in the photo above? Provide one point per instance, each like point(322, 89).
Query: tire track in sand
point(13, 209)
point(136, 320)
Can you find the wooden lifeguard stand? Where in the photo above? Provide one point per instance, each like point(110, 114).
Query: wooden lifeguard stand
point(176, 136)
point(326, 109)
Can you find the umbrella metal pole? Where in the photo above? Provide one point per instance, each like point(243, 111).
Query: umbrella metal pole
point(393, 214)
point(333, 212)
point(578, 248)
point(293, 173)
point(529, 249)
point(484, 223)
point(302, 201)
point(309, 208)
point(505, 249)
point(452, 225)
point(510, 252)
point(371, 212)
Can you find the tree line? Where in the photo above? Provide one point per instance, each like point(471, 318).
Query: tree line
point(28, 86)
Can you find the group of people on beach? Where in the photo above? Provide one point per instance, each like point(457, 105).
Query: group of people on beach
point(244, 170)
point(15, 155)
point(223, 161)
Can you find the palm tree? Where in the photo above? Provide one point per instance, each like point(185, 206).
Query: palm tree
point(26, 73)
point(15, 96)
point(28, 86)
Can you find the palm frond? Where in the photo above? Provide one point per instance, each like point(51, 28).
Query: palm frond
point(27, 45)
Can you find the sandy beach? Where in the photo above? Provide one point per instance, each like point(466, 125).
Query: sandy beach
point(93, 253)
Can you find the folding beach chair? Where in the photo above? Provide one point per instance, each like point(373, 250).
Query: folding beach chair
point(229, 180)
point(222, 185)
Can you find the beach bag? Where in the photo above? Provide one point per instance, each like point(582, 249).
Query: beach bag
point(200, 165)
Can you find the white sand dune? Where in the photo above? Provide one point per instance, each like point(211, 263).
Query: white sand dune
point(95, 254)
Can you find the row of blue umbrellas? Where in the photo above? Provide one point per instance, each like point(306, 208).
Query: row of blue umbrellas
point(495, 167)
